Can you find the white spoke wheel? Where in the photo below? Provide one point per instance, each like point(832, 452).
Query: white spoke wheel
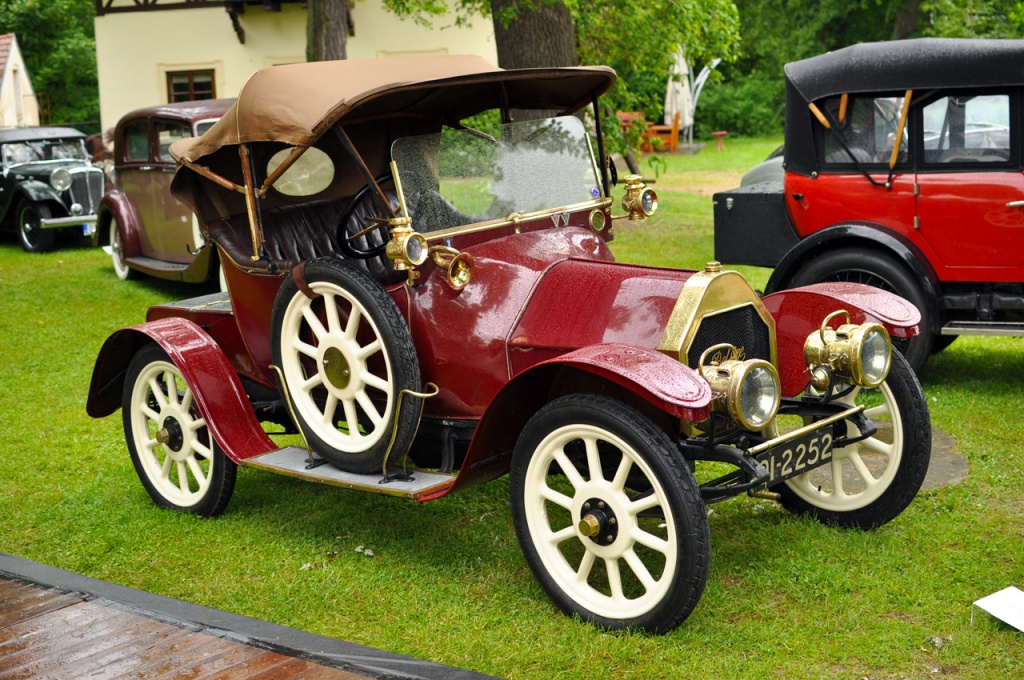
point(123, 271)
point(346, 356)
point(870, 482)
point(171, 447)
point(609, 517)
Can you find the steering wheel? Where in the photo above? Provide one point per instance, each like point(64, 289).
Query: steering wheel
point(346, 241)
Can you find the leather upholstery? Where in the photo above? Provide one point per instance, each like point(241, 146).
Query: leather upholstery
point(296, 233)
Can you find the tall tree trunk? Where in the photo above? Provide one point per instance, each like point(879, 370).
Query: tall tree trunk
point(906, 19)
point(327, 30)
point(544, 36)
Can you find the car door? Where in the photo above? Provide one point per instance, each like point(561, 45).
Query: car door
point(970, 189)
point(178, 234)
point(134, 179)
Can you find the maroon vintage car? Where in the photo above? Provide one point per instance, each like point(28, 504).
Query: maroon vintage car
point(420, 284)
point(140, 224)
point(936, 218)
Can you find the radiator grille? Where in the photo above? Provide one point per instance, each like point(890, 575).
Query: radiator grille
point(741, 327)
point(87, 188)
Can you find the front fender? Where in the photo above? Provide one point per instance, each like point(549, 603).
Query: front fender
point(798, 312)
point(217, 391)
point(39, 192)
point(115, 204)
point(618, 369)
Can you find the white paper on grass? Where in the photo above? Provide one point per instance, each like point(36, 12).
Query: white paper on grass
point(1007, 605)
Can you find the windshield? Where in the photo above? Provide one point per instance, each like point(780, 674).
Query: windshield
point(44, 150)
point(460, 177)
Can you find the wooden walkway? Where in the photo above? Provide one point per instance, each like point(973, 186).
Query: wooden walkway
point(56, 631)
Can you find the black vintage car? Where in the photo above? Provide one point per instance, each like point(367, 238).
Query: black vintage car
point(47, 182)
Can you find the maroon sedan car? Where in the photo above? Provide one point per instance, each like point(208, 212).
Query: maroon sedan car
point(420, 284)
point(142, 226)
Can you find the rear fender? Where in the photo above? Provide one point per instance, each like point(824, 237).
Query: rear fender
point(798, 312)
point(654, 381)
point(217, 391)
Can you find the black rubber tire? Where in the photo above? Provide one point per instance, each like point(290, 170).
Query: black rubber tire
point(860, 265)
point(199, 452)
point(682, 519)
point(33, 238)
point(909, 406)
point(394, 364)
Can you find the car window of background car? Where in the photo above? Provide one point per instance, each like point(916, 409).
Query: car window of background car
point(136, 137)
point(971, 129)
point(167, 133)
point(868, 129)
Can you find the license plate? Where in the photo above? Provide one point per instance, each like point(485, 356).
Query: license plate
point(798, 455)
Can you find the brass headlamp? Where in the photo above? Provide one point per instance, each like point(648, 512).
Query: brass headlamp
point(407, 248)
point(858, 353)
point(748, 391)
point(640, 201)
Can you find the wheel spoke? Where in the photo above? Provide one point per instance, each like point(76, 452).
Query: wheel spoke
point(369, 350)
point(314, 323)
point(354, 319)
point(304, 348)
point(375, 381)
point(182, 477)
point(197, 472)
point(351, 417)
point(862, 470)
point(650, 540)
point(150, 413)
point(201, 448)
point(648, 501)
point(556, 497)
point(331, 307)
point(369, 409)
point(186, 401)
point(330, 407)
point(876, 412)
point(314, 380)
point(614, 578)
point(568, 469)
point(877, 445)
point(586, 566)
point(562, 535)
point(158, 393)
point(593, 459)
point(165, 469)
point(639, 569)
point(837, 476)
point(621, 474)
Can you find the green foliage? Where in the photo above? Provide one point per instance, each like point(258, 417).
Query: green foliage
point(57, 42)
point(776, 32)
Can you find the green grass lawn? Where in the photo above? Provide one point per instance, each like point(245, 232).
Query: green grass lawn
point(786, 597)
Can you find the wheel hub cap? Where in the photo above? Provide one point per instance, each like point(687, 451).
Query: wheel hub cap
point(336, 368)
point(171, 435)
point(598, 522)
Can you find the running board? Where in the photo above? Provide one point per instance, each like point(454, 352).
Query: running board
point(992, 328)
point(292, 461)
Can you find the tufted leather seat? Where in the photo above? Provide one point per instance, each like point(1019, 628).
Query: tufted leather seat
point(296, 233)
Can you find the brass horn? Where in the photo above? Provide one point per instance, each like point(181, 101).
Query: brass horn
point(458, 266)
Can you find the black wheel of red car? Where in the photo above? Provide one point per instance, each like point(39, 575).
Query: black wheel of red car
point(122, 270)
point(346, 357)
point(35, 239)
point(858, 265)
point(351, 246)
point(171, 447)
point(608, 516)
point(870, 482)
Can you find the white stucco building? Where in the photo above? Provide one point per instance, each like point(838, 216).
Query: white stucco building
point(18, 104)
point(159, 51)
